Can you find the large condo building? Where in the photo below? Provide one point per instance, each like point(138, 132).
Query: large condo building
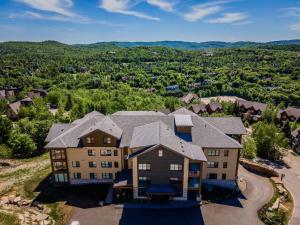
point(147, 153)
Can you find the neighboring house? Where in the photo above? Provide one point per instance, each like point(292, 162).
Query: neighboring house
point(34, 93)
point(198, 108)
point(151, 90)
point(13, 109)
point(146, 154)
point(214, 107)
point(296, 140)
point(189, 98)
point(2, 95)
point(290, 113)
point(7, 93)
point(173, 88)
point(251, 109)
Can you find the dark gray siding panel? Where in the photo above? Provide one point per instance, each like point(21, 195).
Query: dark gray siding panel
point(160, 172)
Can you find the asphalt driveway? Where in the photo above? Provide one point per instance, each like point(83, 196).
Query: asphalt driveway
point(292, 183)
point(241, 210)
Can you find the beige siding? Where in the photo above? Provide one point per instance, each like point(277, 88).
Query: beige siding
point(81, 155)
point(231, 160)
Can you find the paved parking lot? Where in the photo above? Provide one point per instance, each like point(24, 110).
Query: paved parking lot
point(241, 210)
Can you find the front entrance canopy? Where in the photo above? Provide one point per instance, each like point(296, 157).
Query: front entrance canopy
point(160, 190)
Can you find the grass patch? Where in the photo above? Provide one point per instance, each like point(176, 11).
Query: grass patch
point(8, 219)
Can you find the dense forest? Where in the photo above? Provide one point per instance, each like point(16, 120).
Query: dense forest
point(109, 78)
point(263, 74)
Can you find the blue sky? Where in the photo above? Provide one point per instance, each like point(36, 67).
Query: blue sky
point(89, 21)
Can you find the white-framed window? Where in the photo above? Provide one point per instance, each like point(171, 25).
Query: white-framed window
point(144, 180)
point(175, 180)
point(92, 164)
point(160, 153)
point(77, 175)
point(213, 152)
point(90, 140)
point(106, 164)
point(91, 152)
point(75, 164)
point(212, 164)
point(144, 166)
point(107, 140)
point(107, 175)
point(93, 176)
point(175, 167)
point(226, 152)
point(105, 153)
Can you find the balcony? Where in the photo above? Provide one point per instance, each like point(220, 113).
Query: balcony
point(193, 183)
point(194, 173)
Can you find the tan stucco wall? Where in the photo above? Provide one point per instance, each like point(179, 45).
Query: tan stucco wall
point(231, 160)
point(81, 155)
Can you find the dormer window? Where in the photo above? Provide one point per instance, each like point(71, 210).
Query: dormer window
point(90, 140)
point(107, 140)
point(160, 153)
point(183, 123)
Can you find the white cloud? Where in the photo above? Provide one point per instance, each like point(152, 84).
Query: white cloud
point(163, 4)
point(61, 7)
point(124, 7)
point(38, 16)
point(292, 11)
point(295, 27)
point(230, 18)
point(200, 11)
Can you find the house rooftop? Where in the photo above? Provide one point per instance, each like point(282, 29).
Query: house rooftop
point(205, 132)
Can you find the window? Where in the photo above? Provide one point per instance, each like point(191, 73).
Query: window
point(107, 140)
point(61, 177)
point(75, 164)
point(212, 176)
point(226, 153)
point(212, 164)
point(93, 176)
point(213, 152)
point(175, 180)
point(90, 140)
point(59, 166)
point(58, 154)
point(106, 164)
point(224, 176)
point(105, 152)
point(91, 152)
point(92, 164)
point(116, 164)
point(144, 166)
point(225, 165)
point(107, 175)
point(160, 153)
point(144, 180)
point(175, 167)
point(115, 152)
point(77, 175)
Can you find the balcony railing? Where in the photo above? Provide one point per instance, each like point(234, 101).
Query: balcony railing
point(194, 173)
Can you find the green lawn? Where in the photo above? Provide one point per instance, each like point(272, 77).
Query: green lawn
point(8, 219)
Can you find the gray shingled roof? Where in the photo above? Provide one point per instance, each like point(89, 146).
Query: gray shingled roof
point(204, 133)
point(228, 125)
point(138, 113)
point(291, 111)
point(183, 120)
point(159, 134)
point(248, 104)
point(107, 126)
point(57, 129)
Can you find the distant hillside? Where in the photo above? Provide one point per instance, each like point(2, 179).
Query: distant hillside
point(195, 45)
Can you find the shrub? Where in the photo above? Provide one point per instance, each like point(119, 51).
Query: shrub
point(22, 145)
point(249, 151)
point(5, 151)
